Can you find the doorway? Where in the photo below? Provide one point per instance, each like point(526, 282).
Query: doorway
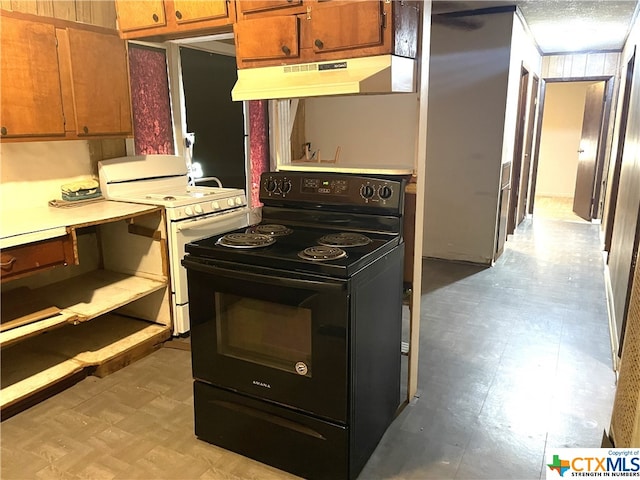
point(217, 121)
point(568, 162)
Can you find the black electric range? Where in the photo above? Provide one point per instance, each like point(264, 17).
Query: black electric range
point(296, 324)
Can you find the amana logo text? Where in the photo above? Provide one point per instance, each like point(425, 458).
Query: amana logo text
point(261, 384)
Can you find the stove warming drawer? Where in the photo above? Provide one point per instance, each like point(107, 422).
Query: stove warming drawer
point(272, 434)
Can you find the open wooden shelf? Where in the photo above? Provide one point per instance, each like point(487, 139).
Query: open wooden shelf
point(33, 365)
point(98, 292)
point(79, 299)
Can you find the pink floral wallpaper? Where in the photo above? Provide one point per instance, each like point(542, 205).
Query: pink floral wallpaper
point(258, 146)
point(152, 129)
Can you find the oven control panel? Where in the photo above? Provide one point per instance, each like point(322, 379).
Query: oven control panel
point(332, 189)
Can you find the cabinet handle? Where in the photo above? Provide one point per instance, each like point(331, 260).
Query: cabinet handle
point(3, 130)
point(8, 263)
point(155, 17)
point(85, 129)
point(178, 15)
point(286, 50)
point(318, 43)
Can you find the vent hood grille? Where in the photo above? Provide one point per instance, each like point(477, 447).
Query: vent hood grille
point(379, 74)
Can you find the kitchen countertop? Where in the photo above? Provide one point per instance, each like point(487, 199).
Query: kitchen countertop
point(20, 226)
point(337, 168)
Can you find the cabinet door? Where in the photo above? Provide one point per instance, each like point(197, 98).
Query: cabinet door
point(100, 83)
point(262, 6)
point(347, 25)
point(140, 14)
point(272, 38)
point(30, 98)
point(196, 10)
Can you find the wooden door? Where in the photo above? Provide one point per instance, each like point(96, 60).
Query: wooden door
point(31, 95)
point(526, 159)
point(192, 10)
point(588, 151)
point(347, 26)
point(100, 82)
point(140, 14)
point(266, 39)
point(622, 132)
point(517, 153)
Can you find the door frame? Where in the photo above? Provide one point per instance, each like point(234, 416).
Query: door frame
point(525, 182)
point(518, 150)
point(617, 166)
point(596, 209)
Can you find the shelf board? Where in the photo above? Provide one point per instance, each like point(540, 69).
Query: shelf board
point(33, 365)
point(35, 328)
point(98, 292)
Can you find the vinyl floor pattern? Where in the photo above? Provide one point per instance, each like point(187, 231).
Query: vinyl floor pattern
point(514, 361)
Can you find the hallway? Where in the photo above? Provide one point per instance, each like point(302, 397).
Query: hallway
point(514, 360)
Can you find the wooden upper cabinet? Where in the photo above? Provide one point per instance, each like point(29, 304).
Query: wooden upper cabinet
point(270, 38)
point(327, 30)
point(100, 82)
point(176, 18)
point(187, 11)
point(30, 93)
point(140, 14)
point(253, 8)
point(347, 26)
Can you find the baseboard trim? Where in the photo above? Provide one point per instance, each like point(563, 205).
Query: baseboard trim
point(613, 337)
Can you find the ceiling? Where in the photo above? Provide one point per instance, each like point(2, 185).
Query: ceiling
point(560, 26)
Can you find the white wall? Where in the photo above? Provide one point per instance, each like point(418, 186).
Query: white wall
point(32, 172)
point(469, 72)
point(370, 129)
point(561, 131)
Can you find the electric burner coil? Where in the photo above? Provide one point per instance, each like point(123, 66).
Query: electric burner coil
point(344, 239)
point(322, 253)
point(245, 240)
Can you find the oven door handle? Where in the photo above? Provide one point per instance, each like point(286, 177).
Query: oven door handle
point(191, 224)
point(331, 285)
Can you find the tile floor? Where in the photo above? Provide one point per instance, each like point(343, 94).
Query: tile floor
point(514, 360)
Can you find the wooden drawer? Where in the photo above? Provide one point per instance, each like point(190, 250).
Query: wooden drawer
point(261, 8)
point(24, 259)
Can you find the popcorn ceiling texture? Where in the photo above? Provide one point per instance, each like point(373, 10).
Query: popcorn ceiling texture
point(258, 146)
point(150, 101)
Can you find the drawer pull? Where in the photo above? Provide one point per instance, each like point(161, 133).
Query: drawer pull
point(8, 263)
point(286, 50)
point(155, 17)
point(318, 43)
point(178, 14)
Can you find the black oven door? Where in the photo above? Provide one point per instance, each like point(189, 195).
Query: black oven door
point(274, 335)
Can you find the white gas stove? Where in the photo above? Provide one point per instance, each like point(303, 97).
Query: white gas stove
point(193, 212)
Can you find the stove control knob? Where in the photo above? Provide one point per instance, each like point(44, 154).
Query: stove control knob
point(215, 205)
point(198, 209)
point(366, 191)
point(188, 211)
point(271, 186)
point(286, 186)
point(238, 201)
point(230, 202)
point(385, 192)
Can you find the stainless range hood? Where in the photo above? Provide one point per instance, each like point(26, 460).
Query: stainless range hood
point(379, 74)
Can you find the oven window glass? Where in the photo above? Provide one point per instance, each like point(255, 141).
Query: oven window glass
point(266, 333)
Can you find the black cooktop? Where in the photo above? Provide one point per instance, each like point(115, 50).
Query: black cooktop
point(296, 248)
